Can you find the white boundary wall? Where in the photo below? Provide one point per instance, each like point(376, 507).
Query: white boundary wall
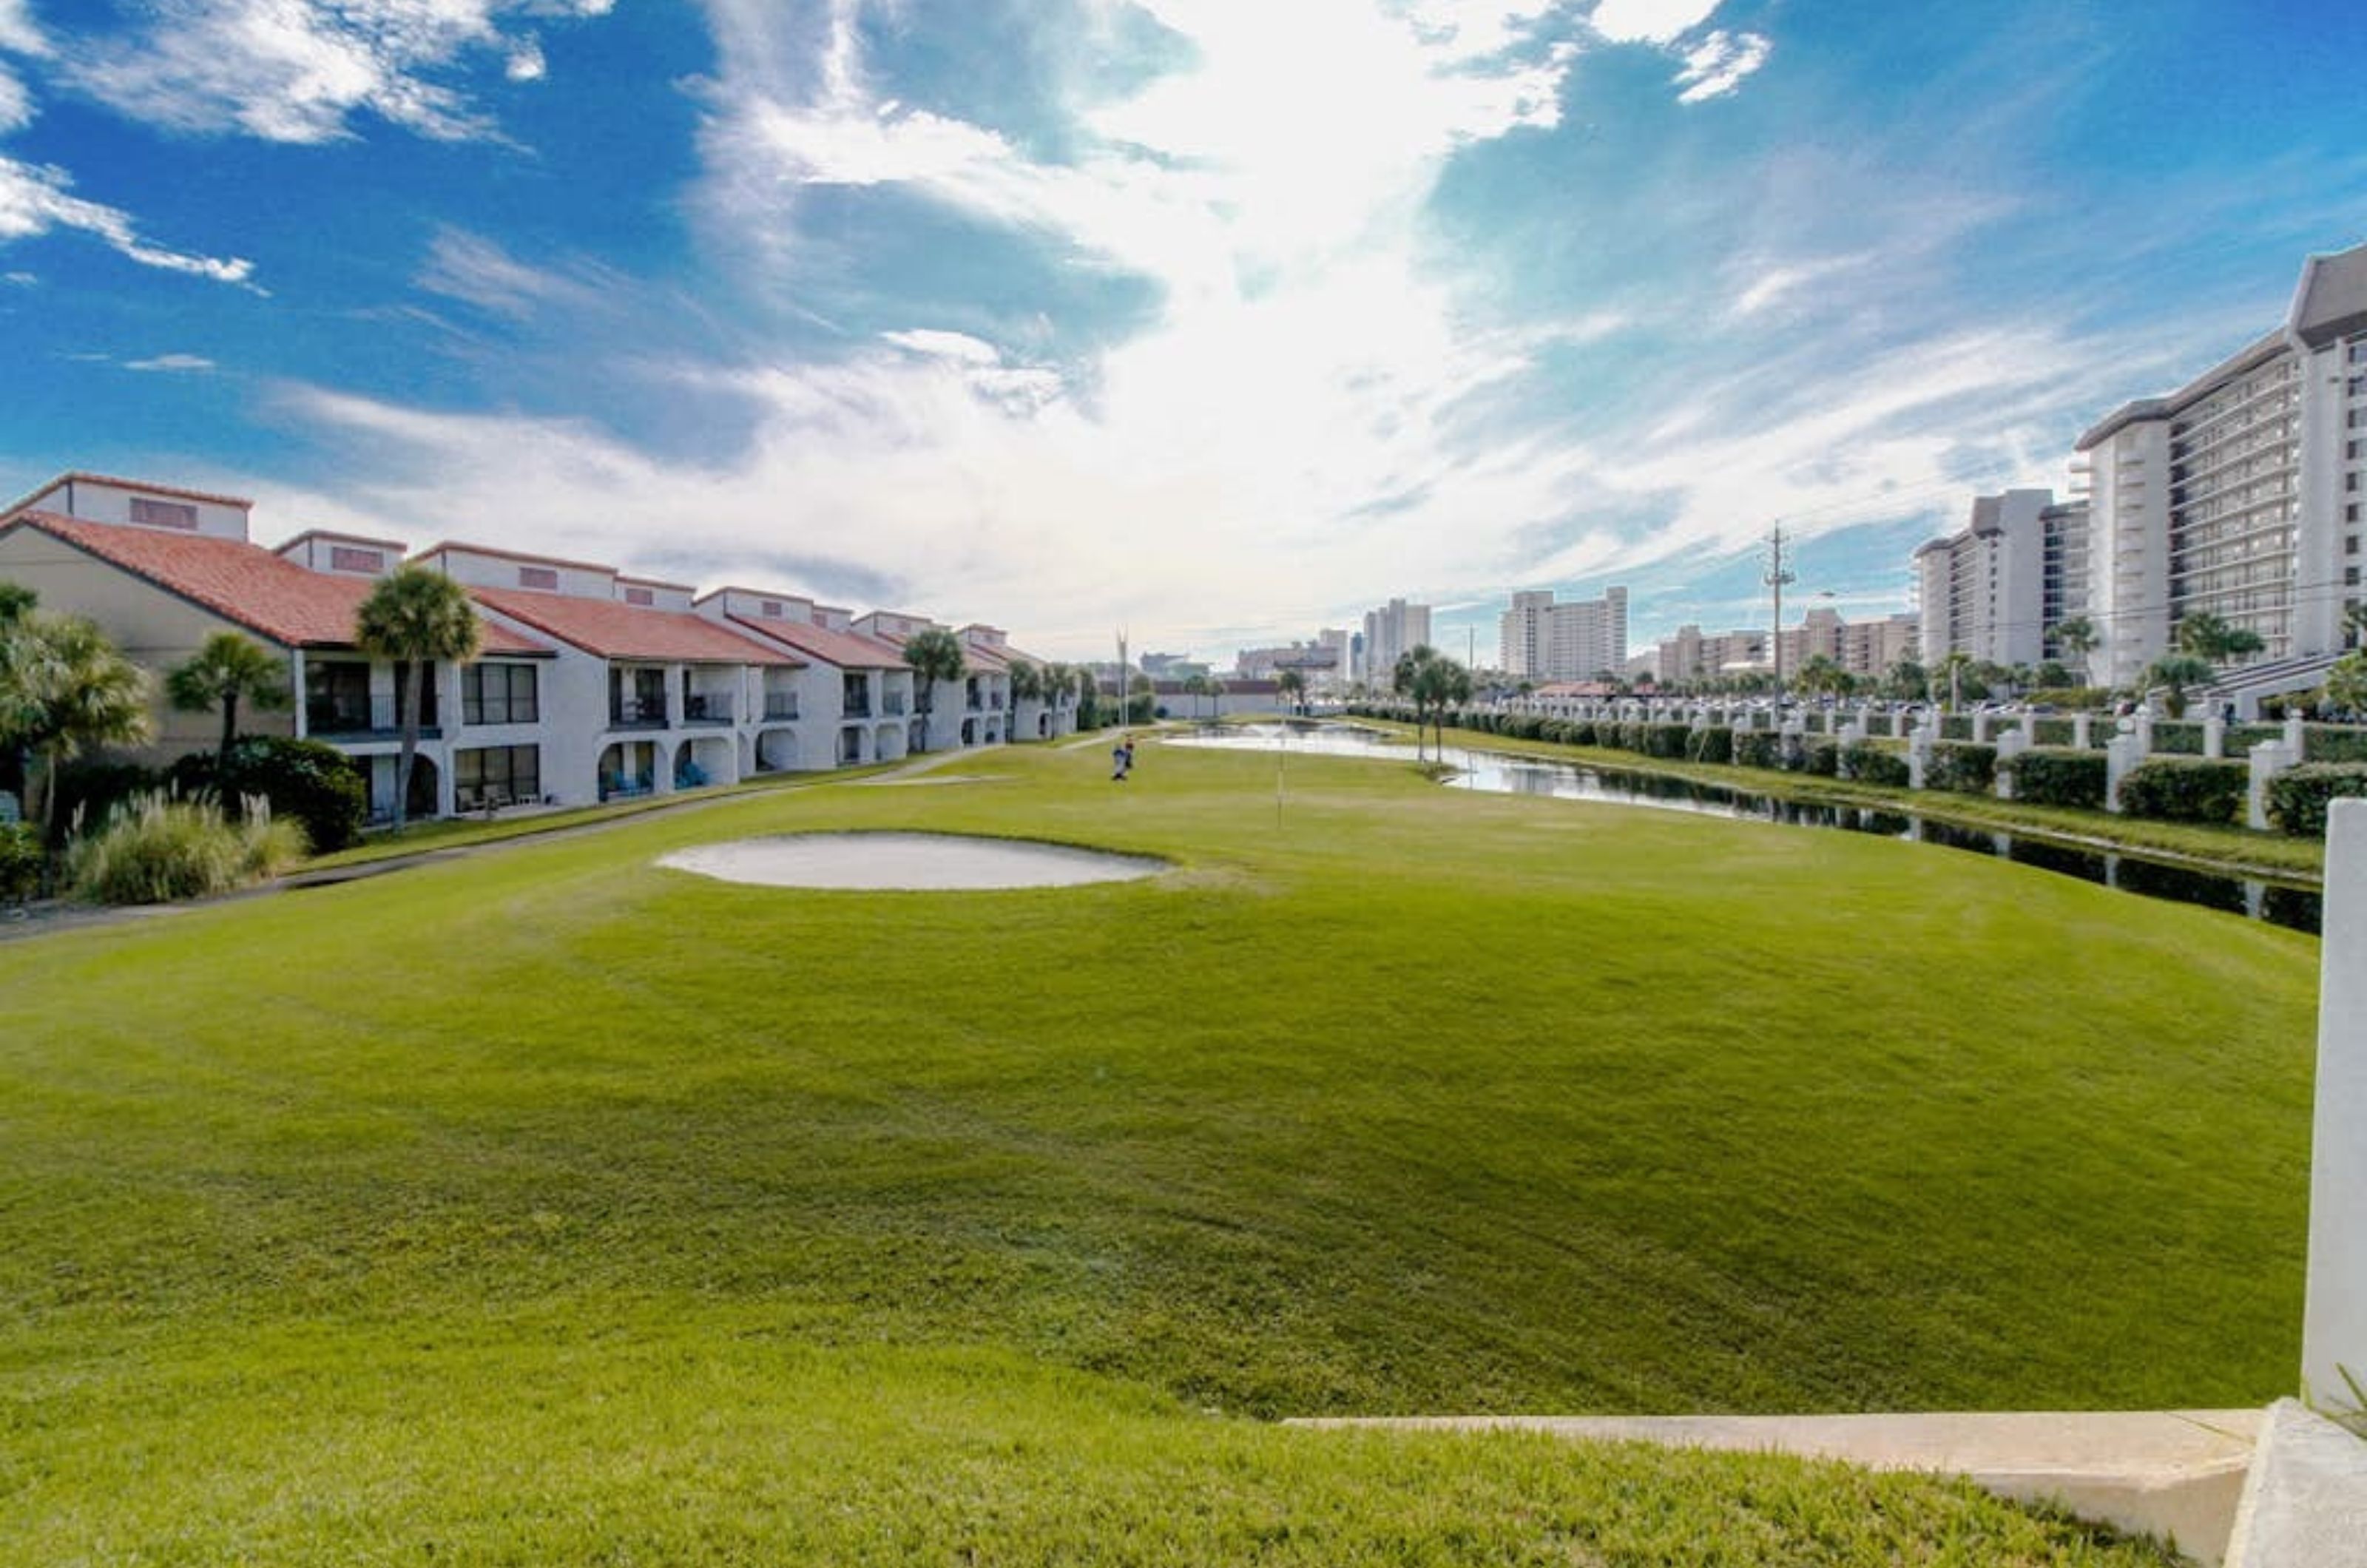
point(2334, 1322)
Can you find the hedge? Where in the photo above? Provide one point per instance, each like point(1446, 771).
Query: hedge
point(2059, 775)
point(2186, 789)
point(2298, 796)
point(1868, 762)
point(2177, 737)
point(2333, 743)
point(1961, 767)
point(1757, 748)
point(1710, 743)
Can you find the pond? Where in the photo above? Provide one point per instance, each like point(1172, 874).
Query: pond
point(1496, 772)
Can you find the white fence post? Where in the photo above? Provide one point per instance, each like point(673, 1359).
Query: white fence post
point(2013, 743)
point(2334, 1320)
point(2269, 758)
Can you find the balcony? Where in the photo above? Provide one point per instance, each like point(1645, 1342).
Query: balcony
point(706, 708)
point(857, 705)
point(363, 718)
point(780, 705)
point(893, 706)
point(626, 713)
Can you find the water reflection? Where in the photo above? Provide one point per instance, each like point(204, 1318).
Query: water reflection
point(1497, 774)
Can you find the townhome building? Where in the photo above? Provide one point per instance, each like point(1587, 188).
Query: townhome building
point(971, 711)
point(849, 701)
point(643, 694)
point(161, 569)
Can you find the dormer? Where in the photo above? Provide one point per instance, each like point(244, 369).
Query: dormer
point(991, 638)
point(831, 618)
point(481, 566)
point(893, 624)
point(97, 497)
point(757, 607)
point(648, 593)
point(342, 554)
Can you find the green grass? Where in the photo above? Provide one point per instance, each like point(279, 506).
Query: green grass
point(553, 1206)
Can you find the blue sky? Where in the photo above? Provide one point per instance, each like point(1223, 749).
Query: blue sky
point(1219, 319)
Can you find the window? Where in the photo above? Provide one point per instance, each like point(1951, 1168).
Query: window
point(345, 557)
point(2350, 546)
point(163, 513)
point(771, 609)
point(640, 596)
point(538, 577)
point(498, 693)
point(2350, 577)
point(497, 775)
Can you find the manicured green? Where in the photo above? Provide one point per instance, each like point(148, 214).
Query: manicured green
point(548, 1205)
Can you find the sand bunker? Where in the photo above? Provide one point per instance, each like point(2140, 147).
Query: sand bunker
point(906, 862)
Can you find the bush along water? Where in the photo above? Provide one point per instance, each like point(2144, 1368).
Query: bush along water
point(2059, 775)
point(2186, 789)
point(155, 848)
point(2298, 798)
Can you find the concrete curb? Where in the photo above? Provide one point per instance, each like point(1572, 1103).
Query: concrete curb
point(2172, 1473)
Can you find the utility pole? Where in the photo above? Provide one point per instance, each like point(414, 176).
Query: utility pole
point(1124, 696)
point(1776, 576)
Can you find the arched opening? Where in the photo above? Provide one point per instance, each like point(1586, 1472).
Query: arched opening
point(776, 750)
point(628, 768)
point(702, 760)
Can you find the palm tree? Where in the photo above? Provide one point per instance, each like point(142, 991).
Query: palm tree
point(229, 667)
point(1198, 685)
point(1026, 686)
point(64, 688)
point(934, 654)
point(1952, 669)
point(2176, 671)
point(1434, 683)
point(2077, 636)
point(2354, 625)
point(2346, 683)
point(2211, 637)
point(1293, 685)
point(418, 619)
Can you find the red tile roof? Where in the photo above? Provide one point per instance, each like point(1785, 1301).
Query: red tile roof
point(844, 649)
point(240, 582)
point(79, 476)
point(616, 630)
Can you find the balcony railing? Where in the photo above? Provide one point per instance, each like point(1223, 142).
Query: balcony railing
point(856, 706)
point(780, 705)
point(361, 719)
point(628, 714)
point(707, 708)
point(893, 706)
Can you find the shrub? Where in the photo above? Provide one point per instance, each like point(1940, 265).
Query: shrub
point(2051, 732)
point(315, 786)
point(22, 856)
point(1822, 757)
point(2333, 743)
point(92, 789)
point(2185, 789)
point(1867, 762)
point(1956, 726)
point(1756, 748)
point(1583, 732)
point(1630, 735)
point(2298, 798)
point(2177, 737)
point(1962, 767)
point(2059, 775)
point(1710, 744)
point(155, 848)
point(1667, 741)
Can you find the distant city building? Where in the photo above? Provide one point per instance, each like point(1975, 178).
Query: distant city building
point(1391, 632)
point(2239, 494)
point(1539, 641)
point(1985, 591)
point(1691, 655)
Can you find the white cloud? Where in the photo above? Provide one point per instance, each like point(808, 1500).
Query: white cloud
point(171, 363)
point(15, 103)
point(35, 199)
point(526, 61)
point(298, 71)
point(1718, 64)
point(1650, 21)
point(19, 32)
point(958, 346)
point(473, 269)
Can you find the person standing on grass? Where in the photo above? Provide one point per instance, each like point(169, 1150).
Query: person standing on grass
point(1122, 758)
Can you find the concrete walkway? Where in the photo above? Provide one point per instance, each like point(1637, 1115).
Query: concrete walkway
point(2172, 1473)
